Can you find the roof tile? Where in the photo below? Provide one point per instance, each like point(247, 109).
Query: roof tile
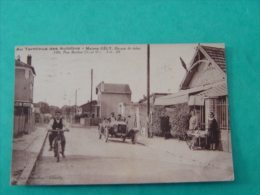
point(217, 54)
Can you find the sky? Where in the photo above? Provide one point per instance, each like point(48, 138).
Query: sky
point(61, 73)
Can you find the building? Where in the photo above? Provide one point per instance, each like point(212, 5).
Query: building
point(204, 88)
point(87, 110)
point(86, 114)
point(110, 95)
point(138, 112)
point(23, 105)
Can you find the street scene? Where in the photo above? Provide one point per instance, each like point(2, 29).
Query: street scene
point(121, 114)
point(118, 163)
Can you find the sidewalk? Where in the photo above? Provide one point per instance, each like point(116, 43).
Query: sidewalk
point(199, 157)
point(26, 150)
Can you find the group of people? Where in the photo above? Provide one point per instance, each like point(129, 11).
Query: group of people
point(118, 118)
point(212, 130)
point(58, 123)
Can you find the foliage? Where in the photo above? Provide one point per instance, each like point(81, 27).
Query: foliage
point(179, 118)
point(158, 112)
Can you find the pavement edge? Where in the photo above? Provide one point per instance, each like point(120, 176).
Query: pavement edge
point(23, 179)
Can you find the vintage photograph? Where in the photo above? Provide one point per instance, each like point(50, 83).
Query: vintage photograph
point(121, 114)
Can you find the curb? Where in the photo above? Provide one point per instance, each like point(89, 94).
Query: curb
point(25, 175)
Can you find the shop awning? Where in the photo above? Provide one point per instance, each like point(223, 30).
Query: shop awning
point(180, 97)
point(214, 92)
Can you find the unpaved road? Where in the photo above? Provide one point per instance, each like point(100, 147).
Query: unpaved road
point(90, 160)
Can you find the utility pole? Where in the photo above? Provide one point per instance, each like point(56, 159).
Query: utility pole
point(148, 90)
point(75, 105)
point(91, 93)
point(45, 106)
point(69, 112)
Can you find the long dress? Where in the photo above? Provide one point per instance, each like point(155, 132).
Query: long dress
point(213, 130)
point(193, 123)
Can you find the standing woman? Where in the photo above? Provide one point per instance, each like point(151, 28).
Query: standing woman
point(193, 123)
point(213, 131)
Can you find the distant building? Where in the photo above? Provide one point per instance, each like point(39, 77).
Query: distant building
point(24, 85)
point(85, 109)
point(136, 113)
point(109, 97)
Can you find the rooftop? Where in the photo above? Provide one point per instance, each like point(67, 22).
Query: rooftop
point(217, 54)
point(22, 64)
point(114, 88)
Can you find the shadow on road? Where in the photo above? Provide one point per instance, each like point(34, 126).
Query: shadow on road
point(125, 142)
point(73, 158)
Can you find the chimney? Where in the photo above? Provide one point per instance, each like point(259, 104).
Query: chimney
point(102, 86)
point(18, 57)
point(29, 60)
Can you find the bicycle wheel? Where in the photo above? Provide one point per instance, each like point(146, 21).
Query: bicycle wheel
point(58, 151)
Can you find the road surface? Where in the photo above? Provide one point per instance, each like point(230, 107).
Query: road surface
point(90, 160)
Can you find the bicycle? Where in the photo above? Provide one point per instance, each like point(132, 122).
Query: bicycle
point(57, 142)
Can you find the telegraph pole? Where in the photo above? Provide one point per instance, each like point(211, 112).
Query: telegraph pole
point(69, 112)
point(148, 89)
point(75, 105)
point(91, 93)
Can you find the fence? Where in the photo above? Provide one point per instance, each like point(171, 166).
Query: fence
point(223, 123)
point(222, 114)
point(89, 121)
point(94, 121)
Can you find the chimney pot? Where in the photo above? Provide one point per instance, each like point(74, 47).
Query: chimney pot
point(29, 60)
point(102, 86)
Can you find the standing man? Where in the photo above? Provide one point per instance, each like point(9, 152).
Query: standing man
point(57, 123)
point(112, 117)
point(120, 118)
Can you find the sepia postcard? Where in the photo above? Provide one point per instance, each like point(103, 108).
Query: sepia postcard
point(121, 114)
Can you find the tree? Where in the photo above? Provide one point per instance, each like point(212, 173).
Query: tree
point(44, 107)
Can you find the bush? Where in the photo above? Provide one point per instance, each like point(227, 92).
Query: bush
point(179, 118)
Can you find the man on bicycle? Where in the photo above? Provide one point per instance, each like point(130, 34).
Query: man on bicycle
point(57, 123)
